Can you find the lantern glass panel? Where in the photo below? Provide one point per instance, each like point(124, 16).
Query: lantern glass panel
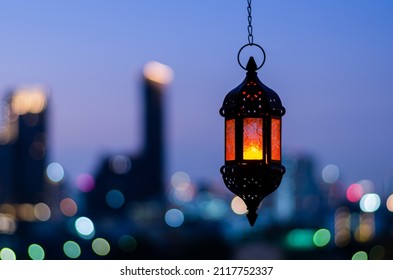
point(230, 139)
point(252, 139)
point(276, 139)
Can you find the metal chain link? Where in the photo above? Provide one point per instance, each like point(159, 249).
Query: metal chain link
point(250, 36)
point(250, 40)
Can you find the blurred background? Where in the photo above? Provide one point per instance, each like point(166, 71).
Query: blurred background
point(111, 141)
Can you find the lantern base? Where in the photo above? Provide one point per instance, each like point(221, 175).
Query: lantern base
point(252, 183)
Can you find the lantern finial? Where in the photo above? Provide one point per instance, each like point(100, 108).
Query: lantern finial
point(252, 216)
point(251, 65)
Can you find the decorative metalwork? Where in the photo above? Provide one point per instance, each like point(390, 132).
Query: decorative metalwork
point(252, 113)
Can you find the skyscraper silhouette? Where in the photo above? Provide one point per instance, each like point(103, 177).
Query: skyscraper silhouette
point(23, 146)
point(122, 178)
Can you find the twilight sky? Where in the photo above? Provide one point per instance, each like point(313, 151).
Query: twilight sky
point(329, 60)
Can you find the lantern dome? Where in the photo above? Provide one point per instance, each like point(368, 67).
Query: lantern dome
point(252, 97)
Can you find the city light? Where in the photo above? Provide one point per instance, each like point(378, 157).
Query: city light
point(330, 173)
point(238, 206)
point(114, 198)
point(321, 237)
point(42, 212)
point(120, 164)
point(354, 192)
point(389, 203)
point(72, 249)
point(36, 252)
point(7, 224)
point(361, 255)
point(55, 172)
point(370, 202)
point(158, 72)
point(174, 218)
point(367, 185)
point(7, 254)
point(28, 100)
point(101, 246)
point(180, 179)
point(342, 227)
point(68, 207)
point(25, 212)
point(85, 182)
point(300, 239)
point(84, 227)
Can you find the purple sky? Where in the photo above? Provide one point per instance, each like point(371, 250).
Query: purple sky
point(329, 60)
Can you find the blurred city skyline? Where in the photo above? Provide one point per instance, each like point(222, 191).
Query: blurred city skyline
point(330, 62)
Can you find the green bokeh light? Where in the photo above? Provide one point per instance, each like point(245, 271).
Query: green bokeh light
point(321, 237)
point(71, 249)
point(300, 239)
point(7, 254)
point(361, 255)
point(101, 247)
point(36, 252)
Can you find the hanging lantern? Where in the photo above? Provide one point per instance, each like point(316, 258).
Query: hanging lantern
point(252, 113)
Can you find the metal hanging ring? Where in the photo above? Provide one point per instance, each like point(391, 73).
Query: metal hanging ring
point(250, 45)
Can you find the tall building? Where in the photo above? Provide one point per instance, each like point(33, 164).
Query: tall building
point(23, 146)
point(122, 178)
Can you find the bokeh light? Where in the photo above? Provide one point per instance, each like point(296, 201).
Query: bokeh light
point(213, 209)
point(25, 212)
point(367, 186)
point(72, 249)
point(330, 173)
point(300, 239)
point(68, 207)
point(389, 203)
point(101, 247)
point(120, 164)
point(36, 252)
point(180, 179)
point(174, 218)
point(182, 195)
point(29, 100)
point(342, 227)
point(114, 198)
point(361, 255)
point(42, 212)
point(85, 182)
point(7, 224)
point(7, 254)
point(370, 202)
point(321, 237)
point(158, 72)
point(55, 172)
point(127, 243)
point(238, 206)
point(354, 192)
point(84, 227)
point(377, 253)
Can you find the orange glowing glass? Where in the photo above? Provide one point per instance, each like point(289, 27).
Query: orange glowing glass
point(252, 139)
point(230, 139)
point(276, 139)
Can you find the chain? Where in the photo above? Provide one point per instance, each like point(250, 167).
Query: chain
point(250, 40)
point(250, 36)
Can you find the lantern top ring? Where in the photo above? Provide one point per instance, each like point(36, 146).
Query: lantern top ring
point(251, 45)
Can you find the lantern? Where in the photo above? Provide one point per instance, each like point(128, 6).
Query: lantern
point(252, 113)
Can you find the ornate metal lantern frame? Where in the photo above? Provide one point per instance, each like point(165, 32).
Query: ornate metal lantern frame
point(252, 113)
